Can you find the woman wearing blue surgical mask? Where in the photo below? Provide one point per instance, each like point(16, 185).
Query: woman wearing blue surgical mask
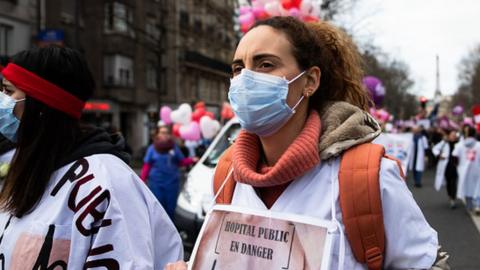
point(8, 124)
point(69, 199)
point(297, 92)
point(11, 109)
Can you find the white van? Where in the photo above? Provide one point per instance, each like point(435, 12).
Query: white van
point(196, 196)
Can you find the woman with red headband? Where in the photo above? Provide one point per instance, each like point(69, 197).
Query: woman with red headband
point(69, 199)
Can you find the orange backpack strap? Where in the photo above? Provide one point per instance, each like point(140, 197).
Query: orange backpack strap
point(221, 172)
point(399, 165)
point(361, 204)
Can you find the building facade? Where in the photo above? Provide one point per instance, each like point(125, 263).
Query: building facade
point(143, 53)
point(201, 42)
point(119, 40)
point(17, 26)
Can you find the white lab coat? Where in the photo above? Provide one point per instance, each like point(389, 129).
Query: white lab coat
point(422, 146)
point(441, 149)
point(7, 157)
point(410, 241)
point(468, 153)
point(95, 212)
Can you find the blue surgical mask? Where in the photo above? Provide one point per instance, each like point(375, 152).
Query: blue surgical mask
point(259, 101)
point(8, 121)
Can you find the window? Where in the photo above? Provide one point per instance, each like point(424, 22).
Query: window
point(203, 89)
point(68, 7)
point(198, 26)
point(225, 141)
point(118, 18)
point(118, 71)
point(152, 29)
point(151, 73)
point(184, 18)
point(5, 39)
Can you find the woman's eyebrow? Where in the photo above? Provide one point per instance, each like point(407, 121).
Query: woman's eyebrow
point(6, 84)
point(256, 58)
point(260, 56)
point(237, 61)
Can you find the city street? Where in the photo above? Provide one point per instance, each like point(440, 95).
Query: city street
point(457, 231)
point(251, 127)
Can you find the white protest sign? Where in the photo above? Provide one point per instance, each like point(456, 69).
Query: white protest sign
point(239, 238)
point(397, 146)
point(425, 123)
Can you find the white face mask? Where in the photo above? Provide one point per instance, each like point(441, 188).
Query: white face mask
point(8, 121)
point(259, 101)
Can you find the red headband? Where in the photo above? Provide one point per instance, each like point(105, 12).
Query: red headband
point(43, 90)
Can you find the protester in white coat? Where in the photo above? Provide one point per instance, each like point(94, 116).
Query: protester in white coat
point(417, 158)
point(441, 151)
point(468, 154)
point(296, 129)
point(69, 200)
point(446, 173)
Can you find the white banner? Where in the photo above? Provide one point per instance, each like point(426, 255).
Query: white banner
point(425, 123)
point(397, 146)
point(239, 238)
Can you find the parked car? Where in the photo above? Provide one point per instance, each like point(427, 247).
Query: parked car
point(196, 196)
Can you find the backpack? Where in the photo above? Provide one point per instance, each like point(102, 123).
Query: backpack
point(361, 206)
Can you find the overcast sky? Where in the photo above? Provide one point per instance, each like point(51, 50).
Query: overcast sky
point(414, 31)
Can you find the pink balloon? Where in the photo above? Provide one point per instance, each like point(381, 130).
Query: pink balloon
point(383, 115)
point(457, 110)
point(190, 132)
point(165, 112)
point(246, 19)
point(294, 12)
point(244, 10)
point(259, 12)
point(468, 121)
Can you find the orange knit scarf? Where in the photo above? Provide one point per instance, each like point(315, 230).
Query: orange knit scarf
point(301, 156)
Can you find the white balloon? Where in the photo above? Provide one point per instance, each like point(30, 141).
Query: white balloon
point(273, 8)
point(182, 115)
point(263, 2)
point(191, 143)
point(284, 12)
point(209, 127)
point(316, 11)
point(306, 7)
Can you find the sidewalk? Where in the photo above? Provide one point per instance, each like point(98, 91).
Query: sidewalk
point(458, 233)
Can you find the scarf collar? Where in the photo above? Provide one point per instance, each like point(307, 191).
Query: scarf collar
point(301, 156)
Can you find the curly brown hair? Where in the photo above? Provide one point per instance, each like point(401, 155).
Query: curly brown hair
point(333, 51)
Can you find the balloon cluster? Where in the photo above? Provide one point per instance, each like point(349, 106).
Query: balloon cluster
point(191, 125)
point(305, 10)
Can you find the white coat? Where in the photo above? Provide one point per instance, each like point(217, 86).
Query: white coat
point(422, 146)
point(95, 213)
point(410, 241)
point(7, 157)
point(442, 150)
point(468, 153)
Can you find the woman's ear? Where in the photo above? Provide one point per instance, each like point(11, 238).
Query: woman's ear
point(312, 76)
